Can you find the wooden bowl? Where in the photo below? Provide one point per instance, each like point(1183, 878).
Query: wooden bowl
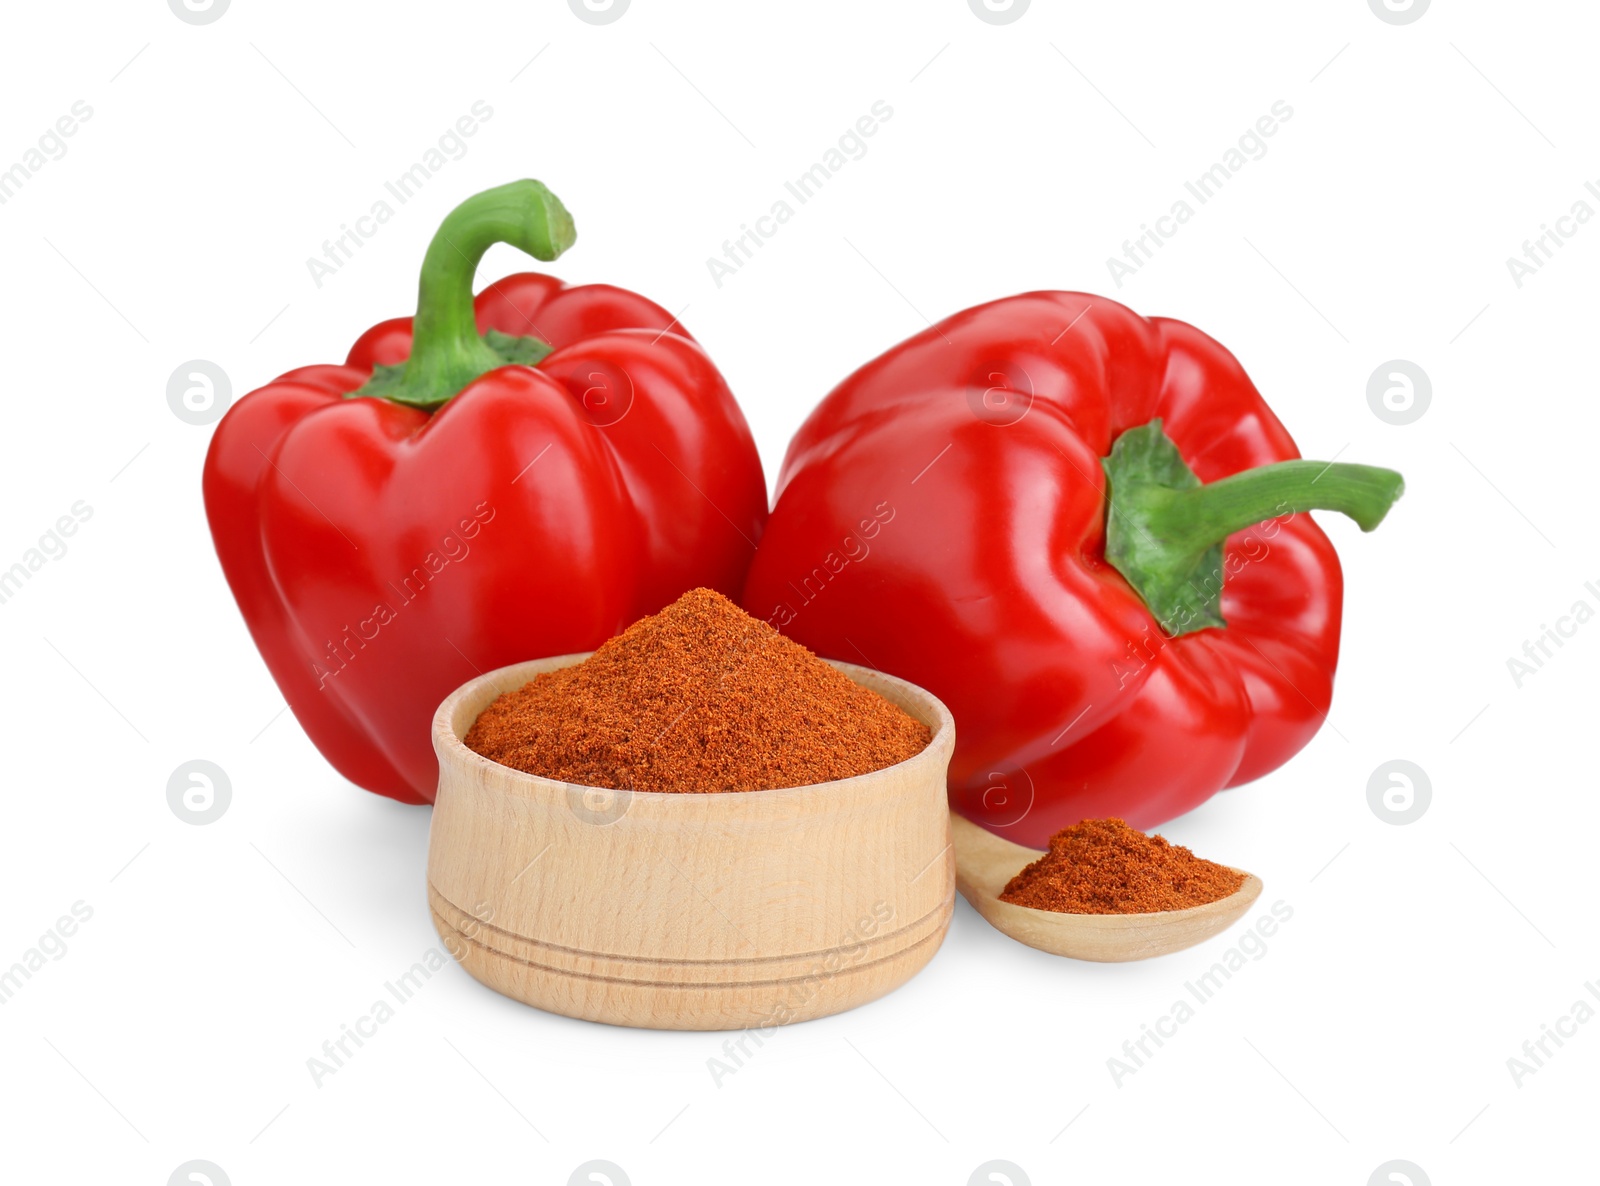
point(690, 911)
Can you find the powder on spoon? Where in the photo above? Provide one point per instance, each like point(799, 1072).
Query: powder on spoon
point(1102, 866)
point(699, 697)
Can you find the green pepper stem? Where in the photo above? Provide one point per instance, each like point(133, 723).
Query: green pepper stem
point(1165, 531)
point(447, 352)
point(1191, 520)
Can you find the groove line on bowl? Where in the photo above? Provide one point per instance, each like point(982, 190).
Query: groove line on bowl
point(946, 907)
point(937, 933)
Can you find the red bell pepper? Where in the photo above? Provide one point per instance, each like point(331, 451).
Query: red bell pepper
point(504, 478)
point(1031, 509)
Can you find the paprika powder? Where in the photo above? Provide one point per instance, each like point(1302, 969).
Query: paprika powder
point(1102, 866)
point(699, 697)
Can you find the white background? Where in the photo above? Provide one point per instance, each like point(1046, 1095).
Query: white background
point(1377, 226)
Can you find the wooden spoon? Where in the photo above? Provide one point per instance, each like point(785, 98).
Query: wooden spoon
point(986, 862)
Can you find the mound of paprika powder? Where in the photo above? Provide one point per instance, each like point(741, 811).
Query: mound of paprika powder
point(699, 697)
point(1102, 866)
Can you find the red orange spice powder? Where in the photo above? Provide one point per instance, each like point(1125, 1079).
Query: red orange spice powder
point(1102, 866)
point(699, 697)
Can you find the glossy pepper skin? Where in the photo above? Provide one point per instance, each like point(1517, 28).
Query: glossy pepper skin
point(943, 515)
point(468, 513)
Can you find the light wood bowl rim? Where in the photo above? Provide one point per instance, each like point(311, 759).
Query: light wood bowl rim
point(450, 746)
